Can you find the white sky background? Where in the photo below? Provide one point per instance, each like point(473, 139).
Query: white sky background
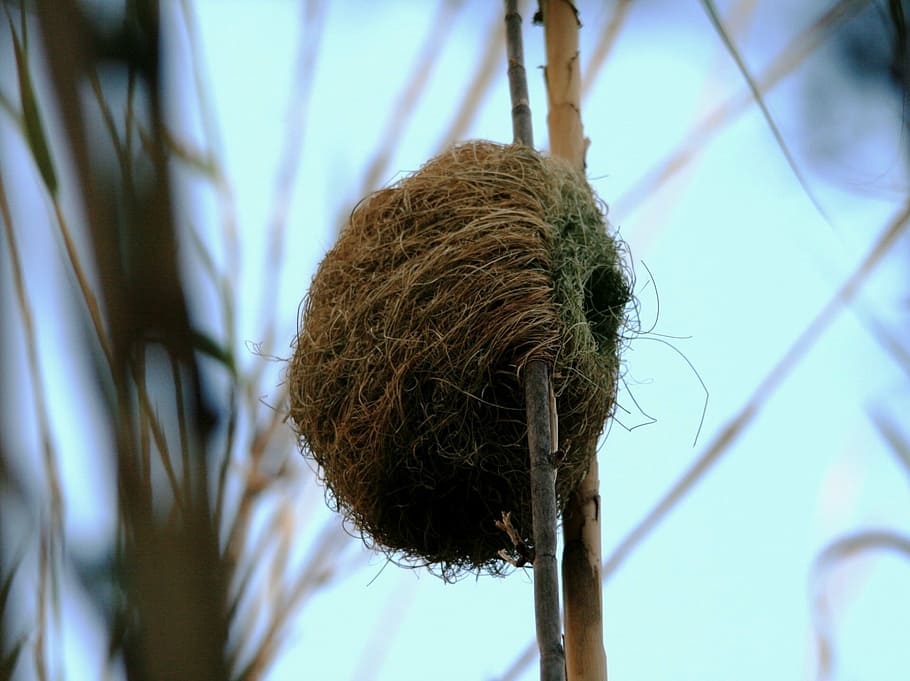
point(742, 263)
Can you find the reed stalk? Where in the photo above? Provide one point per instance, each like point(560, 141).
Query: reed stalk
point(541, 413)
point(585, 656)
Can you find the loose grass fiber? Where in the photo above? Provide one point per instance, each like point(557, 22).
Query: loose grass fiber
point(405, 382)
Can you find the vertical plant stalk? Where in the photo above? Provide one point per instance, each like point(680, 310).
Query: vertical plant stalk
point(563, 78)
point(541, 415)
point(40, 404)
point(522, 130)
point(541, 434)
point(585, 656)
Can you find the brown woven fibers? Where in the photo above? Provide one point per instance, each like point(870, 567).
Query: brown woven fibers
point(405, 380)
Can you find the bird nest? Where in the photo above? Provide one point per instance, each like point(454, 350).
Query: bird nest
point(405, 382)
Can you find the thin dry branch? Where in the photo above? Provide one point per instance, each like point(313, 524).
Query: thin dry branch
point(319, 569)
point(314, 12)
point(426, 59)
point(481, 83)
point(211, 163)
point(898, 443)
point(718, 24)
point(212, 133)
point(39, 651)
point(91, 301)
point(253, 486)
point(796, 51)
point(40, 403)
point(605, 46)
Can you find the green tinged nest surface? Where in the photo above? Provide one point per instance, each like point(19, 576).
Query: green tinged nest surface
point(405, 382)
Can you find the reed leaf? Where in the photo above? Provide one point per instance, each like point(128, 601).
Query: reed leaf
point(31, 112)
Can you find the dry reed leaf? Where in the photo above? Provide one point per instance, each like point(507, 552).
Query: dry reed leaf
point(833, 555)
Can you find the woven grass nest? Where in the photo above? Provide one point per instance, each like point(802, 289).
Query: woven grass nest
point(405, 382)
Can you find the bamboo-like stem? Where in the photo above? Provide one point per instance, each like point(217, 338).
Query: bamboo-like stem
point(522, 129)
point(585, 656)
point(563, 76)
point(543, 502)
point(540, 408)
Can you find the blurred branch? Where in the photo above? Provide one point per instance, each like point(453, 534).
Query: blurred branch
point(884, 337)
point(42, 625)
point(203, 98)
point(223, 190)
point(52, 535)
point(718, 24)
point(481, 82)
point(892, 435)
point(123, 158)
point(40, 403)
point(7, 105)
point(9, 653)
point(301, 90)
point(171, 609)
point(605, 45)
point(31, 115)
point(436, 39)
point(318, 570)
point(834, 554)
point(796, 51)
point(775, 377)
point(91, 301)
point(376, 650)
point(173, 577)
